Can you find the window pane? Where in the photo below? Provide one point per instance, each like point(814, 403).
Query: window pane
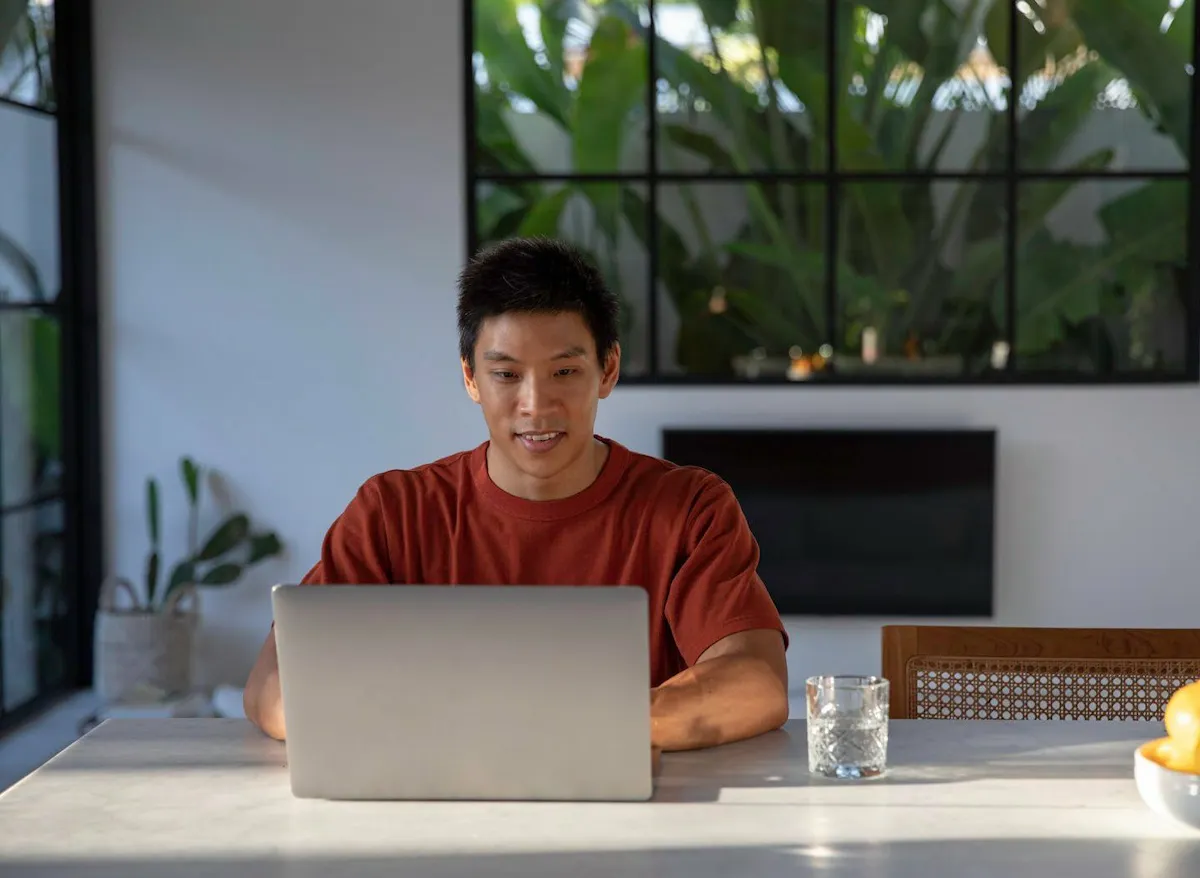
point(26, 46)
point(33, 624)
point(560, 87)
point(921, 279)
point(924, 85)
point(1101, 276)
point(1105, 85)
point(742, 279)
point(606, 220)
point(30, 422)
point(28, 206)
point(741, 85)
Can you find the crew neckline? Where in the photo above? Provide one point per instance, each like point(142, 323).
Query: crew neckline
point(552, 510)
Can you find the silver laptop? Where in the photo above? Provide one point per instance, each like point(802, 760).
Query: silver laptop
point(465, 692)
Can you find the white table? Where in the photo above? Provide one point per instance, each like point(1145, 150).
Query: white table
point(183, 797)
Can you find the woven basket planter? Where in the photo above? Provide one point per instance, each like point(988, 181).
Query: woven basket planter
point(139, 653)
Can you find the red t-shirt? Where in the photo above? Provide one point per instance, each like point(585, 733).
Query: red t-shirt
point(676, 531)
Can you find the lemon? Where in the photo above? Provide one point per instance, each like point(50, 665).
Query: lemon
point(1182, 719)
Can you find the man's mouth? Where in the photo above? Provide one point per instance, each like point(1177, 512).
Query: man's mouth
point(541, 442)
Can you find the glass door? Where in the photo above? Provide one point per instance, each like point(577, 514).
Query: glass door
point(34, 604)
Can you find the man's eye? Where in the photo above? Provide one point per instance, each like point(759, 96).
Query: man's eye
point(565, 372)
point(505, 376)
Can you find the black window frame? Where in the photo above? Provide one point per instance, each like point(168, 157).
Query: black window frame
point(832, 177)
point(76, 308)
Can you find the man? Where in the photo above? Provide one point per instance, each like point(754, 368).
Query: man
point(546, 501)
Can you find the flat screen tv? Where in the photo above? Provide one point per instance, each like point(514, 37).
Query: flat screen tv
point(861, 522)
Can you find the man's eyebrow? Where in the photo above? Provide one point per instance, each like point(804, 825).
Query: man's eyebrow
point(499, 357)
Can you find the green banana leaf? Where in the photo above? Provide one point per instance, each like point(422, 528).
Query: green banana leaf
point(892, 236)
point(510, 61)
point(1127, 34)
point(11, 14)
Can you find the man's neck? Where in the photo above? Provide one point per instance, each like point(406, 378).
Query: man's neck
point(575, 478)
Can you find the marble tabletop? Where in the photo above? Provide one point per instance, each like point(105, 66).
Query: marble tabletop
point(190, 797)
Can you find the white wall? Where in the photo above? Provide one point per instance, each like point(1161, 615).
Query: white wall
point(282, 221)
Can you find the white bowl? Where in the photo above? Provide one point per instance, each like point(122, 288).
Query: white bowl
point(1174, 794)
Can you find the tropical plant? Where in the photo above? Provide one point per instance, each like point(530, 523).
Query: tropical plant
point(38, 335)
point(920, 260)
point(26, 53)
point(221, 559)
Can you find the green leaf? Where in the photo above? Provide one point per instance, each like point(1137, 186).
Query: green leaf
point(703, 145)
point(719, 13)
point(782, 258)
point(544, 215)
point(262, 546)
point(152, 521)
point(184, 573)
point(1054, 282)
point(795, 31)
point(905, 21)
point(887, 230)
point(1127, 35)
point(779, 327)
point(497, 209)
point(510, 61)
point(1050, 35)
point(793, 27)
point(613, 84)
point(681, 278)
point(11, 14)
point(227, 537)
point(1037, 199)
point(22, 265)
point(182, 576)
point(736, 110)
point(1059, 280)
point(47, 413)
point(553, 20)
point(191, 479)
point(786, 309)
point(152, 561)
point(1162, 205)
point(222, 574)
point(1047, 129)
point(497, 148)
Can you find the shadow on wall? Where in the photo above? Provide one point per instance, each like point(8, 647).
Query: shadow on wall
point(1150, 858)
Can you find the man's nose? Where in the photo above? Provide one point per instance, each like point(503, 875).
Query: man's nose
point(537, 396)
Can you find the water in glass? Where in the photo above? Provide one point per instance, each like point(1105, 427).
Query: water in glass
point(847, 726)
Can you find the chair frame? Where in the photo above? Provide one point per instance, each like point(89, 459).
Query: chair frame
point(902, 643)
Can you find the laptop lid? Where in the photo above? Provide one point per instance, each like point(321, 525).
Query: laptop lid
point(465, 692)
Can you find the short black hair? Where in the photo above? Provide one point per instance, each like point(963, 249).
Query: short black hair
point(534, 275)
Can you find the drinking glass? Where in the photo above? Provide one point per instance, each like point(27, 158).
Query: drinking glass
point(847, 726)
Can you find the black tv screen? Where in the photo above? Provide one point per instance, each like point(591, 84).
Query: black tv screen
point(861, 522)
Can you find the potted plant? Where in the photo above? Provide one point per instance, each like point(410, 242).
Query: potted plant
point(146, 646)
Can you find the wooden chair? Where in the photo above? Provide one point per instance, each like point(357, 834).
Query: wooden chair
point(946, 672)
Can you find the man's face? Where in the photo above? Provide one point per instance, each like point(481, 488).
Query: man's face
point(538, 380)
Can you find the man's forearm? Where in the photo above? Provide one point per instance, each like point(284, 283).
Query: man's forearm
point(263, 699)
point(264, 708)
point(719, 701)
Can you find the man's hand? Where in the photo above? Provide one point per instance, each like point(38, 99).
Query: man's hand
point(262, 698)
point(737, 689)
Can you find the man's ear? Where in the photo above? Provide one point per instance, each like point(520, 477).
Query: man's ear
point(612, 371)
point(469, 381)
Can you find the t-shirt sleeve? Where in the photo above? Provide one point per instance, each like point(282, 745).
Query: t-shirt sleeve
point(717, 590)
point(355, 548)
